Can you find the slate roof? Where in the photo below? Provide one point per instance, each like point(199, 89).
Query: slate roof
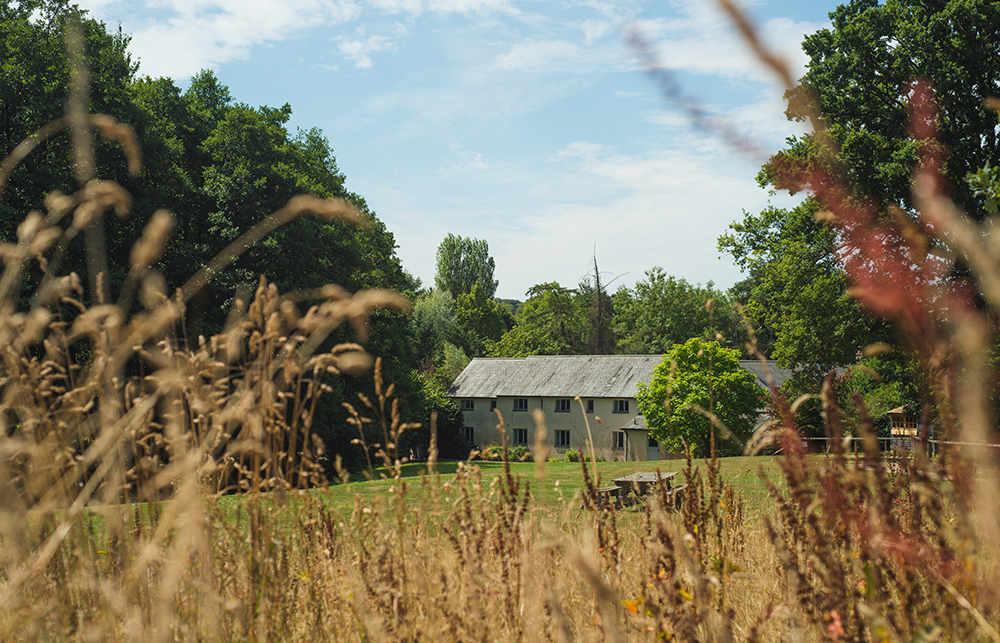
point(756, 368)
point(593, 376)
point(608, 376)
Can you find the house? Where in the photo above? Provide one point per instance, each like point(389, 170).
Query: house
point(605, 384)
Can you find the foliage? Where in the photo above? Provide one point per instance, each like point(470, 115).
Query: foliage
point(550, 322)
point(859, 76)
point(601, 338)
point(451, 442)
point(221, 168)
point(519, 453)
point(796, 290)
point(695, 378)
point(433, 323)
point(482, 320)
point(662, 311)
point(571, 455)
point(463, 262)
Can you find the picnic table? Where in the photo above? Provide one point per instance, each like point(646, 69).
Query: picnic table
point(642, 482)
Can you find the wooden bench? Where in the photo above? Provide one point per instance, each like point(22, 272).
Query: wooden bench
point(606, 496)
point(642, 483)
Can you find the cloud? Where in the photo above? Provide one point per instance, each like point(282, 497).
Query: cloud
point(700, 40)
point(466, 162)
point(537, 55)
point(464, 7)
point(358, 51)
point(594, 29)
point(180, 37)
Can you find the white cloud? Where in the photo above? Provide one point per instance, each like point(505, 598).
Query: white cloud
point(537, 55)
point(703, 41)
point(465, 7)
point(180, 37)
point(358, 50)
point(466, 161)
point(594, 29)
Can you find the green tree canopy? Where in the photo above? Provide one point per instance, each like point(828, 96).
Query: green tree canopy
point(695, 377)
point(552, 321)
point(483, 320)
point(219, 166)
point(860, 70)
point(462, 262)
point(662, 311)
point(796, 290)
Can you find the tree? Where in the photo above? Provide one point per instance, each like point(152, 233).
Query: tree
point(434, 321)
point(859, 75)
point(662, 311)
point(796, 289)
point(600, 315)
point(462, 262)
point(694, 378)
point(483, 320)
point(219, 167)
point(550, 322)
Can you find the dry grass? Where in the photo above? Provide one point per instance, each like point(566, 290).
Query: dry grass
point(119, 439)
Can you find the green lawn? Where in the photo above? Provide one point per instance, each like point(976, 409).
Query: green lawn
point(558, 487)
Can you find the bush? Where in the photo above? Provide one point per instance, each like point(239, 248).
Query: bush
point(600, 458)
point(572, 456)
point(493, 453)
point(519, 454)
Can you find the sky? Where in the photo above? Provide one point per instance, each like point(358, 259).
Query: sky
point(531, 124)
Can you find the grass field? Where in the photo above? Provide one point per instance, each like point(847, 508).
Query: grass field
point(557, 485)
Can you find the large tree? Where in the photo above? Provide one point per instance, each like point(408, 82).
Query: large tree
point(218, 166)
point(860, 78)
point(694, 379)
point(462, 262)
point(860, 73)
point(662, 311)
point(796, 290)
point(552, 321)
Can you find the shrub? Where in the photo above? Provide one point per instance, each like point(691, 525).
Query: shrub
point(572, 456)
point(492, 453)
point(519, 454)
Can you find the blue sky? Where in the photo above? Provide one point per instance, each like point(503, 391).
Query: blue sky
point(528, 123)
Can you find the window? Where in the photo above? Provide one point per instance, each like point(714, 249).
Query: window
point(562, 406)
point(470, 434)
point(493, 404)
point(520, 404)
point(652, 443)
point(590, 406)
point(620, 406)
point(520, 436)
point(562, 438)
point(468, 405)
point(618, 440)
